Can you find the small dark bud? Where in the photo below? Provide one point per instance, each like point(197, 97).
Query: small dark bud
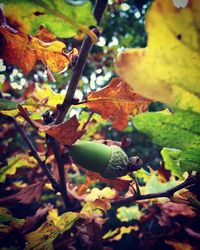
point(74, 60)
point(135, 163)
point(47, 118)
point(95, 31)
point(59, 107)
point(75, 100)
point(38, 13)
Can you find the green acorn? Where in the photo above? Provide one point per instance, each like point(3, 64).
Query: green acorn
point(110, 161)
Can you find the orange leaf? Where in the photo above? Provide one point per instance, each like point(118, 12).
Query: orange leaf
point(117, 101)
point(118, 184)
point(67, 133)
point(24, 51)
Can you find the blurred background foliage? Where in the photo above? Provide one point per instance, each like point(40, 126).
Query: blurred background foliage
point(122, 27)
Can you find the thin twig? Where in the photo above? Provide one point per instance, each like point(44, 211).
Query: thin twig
point(33, 151)
point(77, 72)
point(61, 171)
point(88, 120)
point(168, 193)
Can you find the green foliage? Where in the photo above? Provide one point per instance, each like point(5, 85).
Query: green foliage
point(179, 161)
point(179, 130)
point(126, 214)
point(68, 18)
point(153, 184)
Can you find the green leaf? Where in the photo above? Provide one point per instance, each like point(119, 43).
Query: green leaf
point(179, 161)
point(179, 130)
point(126, 214)
point(61, 18)
point(8, 222)
point(154, 185)
point(10, 108)
point(7, 105)
point(15, 162)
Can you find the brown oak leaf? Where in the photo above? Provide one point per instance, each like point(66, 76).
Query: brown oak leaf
point(25, 195)
point(117, 101)
point(66, 133)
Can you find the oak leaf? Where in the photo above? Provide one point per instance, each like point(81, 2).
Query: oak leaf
point(168, 69)
point(119, 184)
point(66, 133)
point(179, 245)
point(117, 101)
point(24, 51)
point(25, 195)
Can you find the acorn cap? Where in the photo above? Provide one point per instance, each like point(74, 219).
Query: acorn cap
point(110, 161)
point(117, 165)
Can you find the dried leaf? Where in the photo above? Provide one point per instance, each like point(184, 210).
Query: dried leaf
point(174, 209)
point(94, 210)
point(25, 195)
point(66, 133)
point(24, 51)
point(31, 221)
point(8, 222)
point(179, 245)
point(117, 101)
point(118, 184)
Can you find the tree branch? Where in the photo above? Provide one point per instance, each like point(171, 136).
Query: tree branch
point(168, 193)
point(33, 151)
point(77, 72)
point(61, 171)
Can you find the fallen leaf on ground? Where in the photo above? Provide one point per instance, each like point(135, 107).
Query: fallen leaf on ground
point(117, 101)
point(179, 245)
point(8, 222)
point(118, 233)
point(25, 195)
point(174, 209)
point(31, 221)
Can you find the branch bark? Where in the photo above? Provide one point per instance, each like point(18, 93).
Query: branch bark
point(33, 151)
point(168, 193)
point(77, 72)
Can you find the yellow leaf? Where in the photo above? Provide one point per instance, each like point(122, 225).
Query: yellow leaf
point(20, 49)
point(168, 69)
point(106, 193)
point(47, 92)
